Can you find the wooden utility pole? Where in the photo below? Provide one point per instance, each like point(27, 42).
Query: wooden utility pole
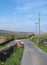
point(36, 27)
point(39, 29)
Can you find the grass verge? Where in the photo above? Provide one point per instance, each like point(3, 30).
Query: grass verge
point(15, 58)
point(41, 45)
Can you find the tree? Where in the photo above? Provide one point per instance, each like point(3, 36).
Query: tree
point(13, 37)
point(7, 38)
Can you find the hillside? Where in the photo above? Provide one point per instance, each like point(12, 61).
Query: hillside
point(16, 34)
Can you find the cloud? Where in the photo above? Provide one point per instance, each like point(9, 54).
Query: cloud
point(29, 5)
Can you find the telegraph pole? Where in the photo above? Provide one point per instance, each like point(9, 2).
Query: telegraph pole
point(36, 27)
point(39, 28)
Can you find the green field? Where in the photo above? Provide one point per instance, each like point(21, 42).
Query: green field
point(43, 36)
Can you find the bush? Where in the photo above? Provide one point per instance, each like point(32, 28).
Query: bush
point(32, 35)
point(13, 37)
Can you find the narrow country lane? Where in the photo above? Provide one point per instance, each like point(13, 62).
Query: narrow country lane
point(33, 55)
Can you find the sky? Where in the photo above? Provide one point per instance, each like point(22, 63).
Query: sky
point(21, 15)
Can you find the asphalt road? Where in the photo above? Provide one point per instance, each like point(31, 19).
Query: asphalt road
point(33, 55)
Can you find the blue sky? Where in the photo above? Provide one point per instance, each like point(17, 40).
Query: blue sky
point(21, 15)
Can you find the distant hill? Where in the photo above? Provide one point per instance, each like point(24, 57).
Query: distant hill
point(5, 33)
point(16, 34)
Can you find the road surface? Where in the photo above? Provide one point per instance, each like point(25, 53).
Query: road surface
point(33, 55)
